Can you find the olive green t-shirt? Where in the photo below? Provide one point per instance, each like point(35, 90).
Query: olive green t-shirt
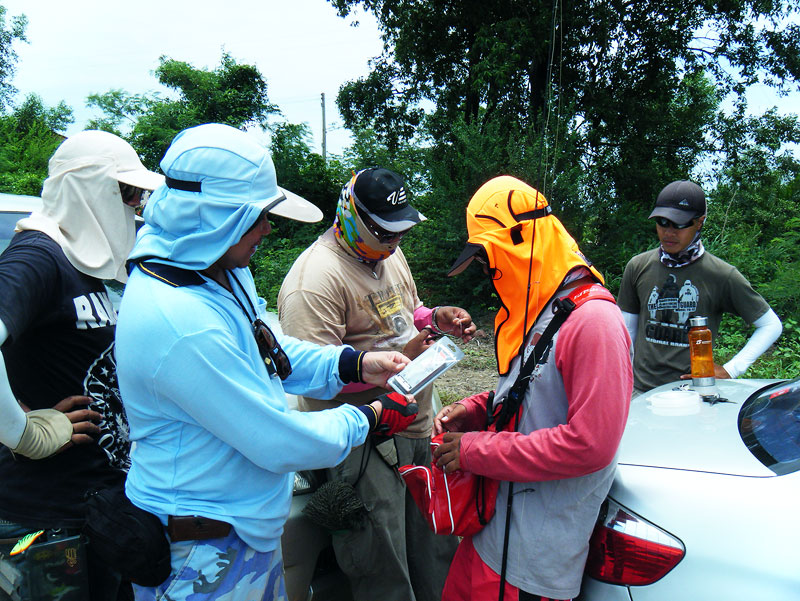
point(666, 298)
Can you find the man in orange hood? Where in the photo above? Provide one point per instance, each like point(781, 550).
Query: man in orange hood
point(557, 457)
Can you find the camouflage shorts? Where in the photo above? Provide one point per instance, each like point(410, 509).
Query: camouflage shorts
point(220, 569)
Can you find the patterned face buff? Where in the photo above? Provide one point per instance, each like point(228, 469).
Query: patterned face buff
point(687, 256)
point(354, 235)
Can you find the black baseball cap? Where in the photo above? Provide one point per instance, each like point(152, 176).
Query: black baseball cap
point(680, 202)
point(382, 194)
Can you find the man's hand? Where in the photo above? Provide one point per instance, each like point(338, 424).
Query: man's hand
point(379, 366)
point(419, 343)
point(84, 421)
point(448, 417)
point(456, 322)
point(50, 431)
point(395, 413)
point(719, 374)
point(447, 454)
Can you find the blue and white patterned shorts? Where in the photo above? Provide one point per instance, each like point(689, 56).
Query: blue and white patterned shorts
point(219, 569)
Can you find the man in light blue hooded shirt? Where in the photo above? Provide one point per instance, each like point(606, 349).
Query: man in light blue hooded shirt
point(202, 378)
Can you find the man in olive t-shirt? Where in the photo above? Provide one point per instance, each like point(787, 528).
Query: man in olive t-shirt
point(664, 287)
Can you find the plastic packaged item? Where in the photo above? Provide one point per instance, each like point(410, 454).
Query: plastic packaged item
point(53, 567)
point(429, 365)
point(700, 352)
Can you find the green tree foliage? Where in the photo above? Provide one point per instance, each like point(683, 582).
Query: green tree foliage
point(120, 110)
point(303, 172)
point(232, 93)
point(754, 211)
point(10, 31)
point(28, 132)
point(596, 104)
point(28, 137)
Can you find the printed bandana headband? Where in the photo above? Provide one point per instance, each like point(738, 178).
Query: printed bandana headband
point(354, 235)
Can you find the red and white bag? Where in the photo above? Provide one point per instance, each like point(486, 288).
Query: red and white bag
point(462, 503)
point(459, 503)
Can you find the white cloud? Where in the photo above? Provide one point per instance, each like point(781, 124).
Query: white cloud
point(91, 46)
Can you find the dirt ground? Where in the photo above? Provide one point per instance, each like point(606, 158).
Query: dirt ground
point(476, 372)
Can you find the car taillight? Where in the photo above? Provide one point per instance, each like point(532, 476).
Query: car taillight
point(628, 550)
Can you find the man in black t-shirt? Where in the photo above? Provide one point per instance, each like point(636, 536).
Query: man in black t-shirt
point(57, 342)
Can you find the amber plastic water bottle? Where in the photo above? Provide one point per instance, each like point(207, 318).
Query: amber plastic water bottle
point(700, 352)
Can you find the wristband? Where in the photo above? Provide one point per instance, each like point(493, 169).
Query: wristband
point(372, 415)
point(434, 324)
point(350, 363)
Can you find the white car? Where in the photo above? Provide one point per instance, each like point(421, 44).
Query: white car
point(704, 503)
point(14, 207)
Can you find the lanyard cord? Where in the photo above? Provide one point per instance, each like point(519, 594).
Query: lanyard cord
point(246, 314)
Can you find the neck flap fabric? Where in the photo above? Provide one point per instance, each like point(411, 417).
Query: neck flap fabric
point(529, 257)
point(82, 210)
point(687, 256)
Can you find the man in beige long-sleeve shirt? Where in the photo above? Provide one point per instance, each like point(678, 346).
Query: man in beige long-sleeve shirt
point(353, 286)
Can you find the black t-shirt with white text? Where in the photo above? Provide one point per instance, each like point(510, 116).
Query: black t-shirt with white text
point(61, 343)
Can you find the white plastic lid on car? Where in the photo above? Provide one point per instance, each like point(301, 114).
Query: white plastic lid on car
point(675, 402)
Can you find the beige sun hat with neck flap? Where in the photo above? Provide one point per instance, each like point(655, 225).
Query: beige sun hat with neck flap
point(82, 208)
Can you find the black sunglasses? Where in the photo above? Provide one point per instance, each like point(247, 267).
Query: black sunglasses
point(271, 352)
point(383, 235)
point(133, 196)
point(491, 271)
point(664, 222)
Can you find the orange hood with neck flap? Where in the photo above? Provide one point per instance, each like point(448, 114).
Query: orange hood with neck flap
point(529, 254)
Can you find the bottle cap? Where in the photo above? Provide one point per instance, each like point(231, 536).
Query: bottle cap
point(698, 321)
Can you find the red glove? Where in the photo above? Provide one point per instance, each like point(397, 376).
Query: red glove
point(397, 414)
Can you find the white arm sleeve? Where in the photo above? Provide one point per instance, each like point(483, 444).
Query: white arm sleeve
point(631, 323)
point(768, 328)
point(12, 417)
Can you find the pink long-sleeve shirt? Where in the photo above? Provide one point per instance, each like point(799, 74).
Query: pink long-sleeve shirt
point(592, 355)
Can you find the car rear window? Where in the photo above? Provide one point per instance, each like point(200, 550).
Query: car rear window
point(769, 424)
point(7, 223)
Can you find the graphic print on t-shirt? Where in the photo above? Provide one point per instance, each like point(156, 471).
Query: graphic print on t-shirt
point(669, 308)
point(537, 370)
point(94, 311)
point(386, 309)
point(102, 387)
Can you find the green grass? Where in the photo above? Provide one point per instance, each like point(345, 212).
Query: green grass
point(781, 361)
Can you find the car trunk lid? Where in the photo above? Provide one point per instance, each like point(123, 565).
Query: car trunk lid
point(706, 441)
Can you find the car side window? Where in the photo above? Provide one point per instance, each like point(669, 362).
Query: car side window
point(769, 424)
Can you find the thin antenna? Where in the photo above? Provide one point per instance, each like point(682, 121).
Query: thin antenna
point(548, 99)
point(324, 132)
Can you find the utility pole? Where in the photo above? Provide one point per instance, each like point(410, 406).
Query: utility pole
point(324, 133)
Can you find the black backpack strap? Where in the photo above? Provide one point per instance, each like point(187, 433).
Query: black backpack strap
point(510, 406)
